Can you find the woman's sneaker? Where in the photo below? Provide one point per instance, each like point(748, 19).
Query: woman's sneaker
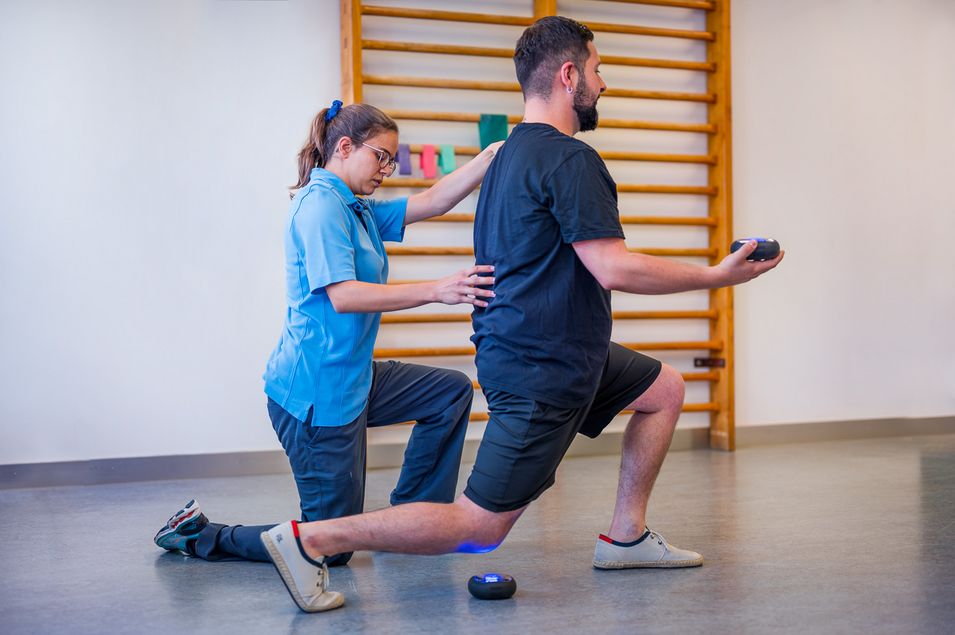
point(182, 529)
point(306, 579)
point(651, 550)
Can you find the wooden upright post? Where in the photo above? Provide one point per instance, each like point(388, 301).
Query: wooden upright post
point(351, 51)
point(544, 8)
point(722, 421)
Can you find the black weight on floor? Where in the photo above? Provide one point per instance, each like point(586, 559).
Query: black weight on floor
point(492, 586)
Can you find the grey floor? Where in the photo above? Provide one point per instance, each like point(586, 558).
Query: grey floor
point(840, 537)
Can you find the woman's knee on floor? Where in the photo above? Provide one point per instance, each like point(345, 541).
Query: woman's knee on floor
point(339, 560)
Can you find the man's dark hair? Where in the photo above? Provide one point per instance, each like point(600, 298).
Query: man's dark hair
point(544, 47)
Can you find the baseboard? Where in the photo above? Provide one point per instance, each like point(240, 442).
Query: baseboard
point(753, 436)
point(154, 468)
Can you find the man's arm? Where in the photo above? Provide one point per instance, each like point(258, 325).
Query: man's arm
point(617, 269)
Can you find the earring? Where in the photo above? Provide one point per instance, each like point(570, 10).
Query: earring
point(570, 90)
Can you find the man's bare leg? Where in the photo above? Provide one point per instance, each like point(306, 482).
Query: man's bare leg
point(418, 528)
point(645, 444)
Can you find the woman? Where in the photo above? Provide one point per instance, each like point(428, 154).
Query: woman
point(323, 387)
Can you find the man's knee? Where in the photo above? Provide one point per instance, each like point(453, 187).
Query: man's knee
point(675, 386)
point(665, 393)
point(483, 530)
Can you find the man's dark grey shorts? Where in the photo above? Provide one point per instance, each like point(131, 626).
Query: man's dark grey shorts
point(526, 439)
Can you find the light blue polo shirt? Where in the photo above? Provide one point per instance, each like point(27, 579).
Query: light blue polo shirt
point(323, 358)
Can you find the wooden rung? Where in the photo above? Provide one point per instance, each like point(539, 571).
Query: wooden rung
point(631, 29)
point(432, 318)
point(666, 189)
point(468, 84)
point(686, 377)
point(446, 16)
point(629, 188)
point(704, 221)
point(701, 407)
point(458, 351)
point(648, 157)
point(429, 251)
point(443, 49)
point(439, 351)
point(401, 181)
point(424, 318)
point(459, 117)
point(713, 376)
point(651, 157)
point(432, 82)
point(513, 20)
point(707, 314)
point(482, 51)
point(632, 93)
point(416, 148)
point(706, 252)
point(683, 4)
point(703, 252)
point(650, 62)
point(688, 407)
point(711, 345)
point(658, 125)
point(451, 218)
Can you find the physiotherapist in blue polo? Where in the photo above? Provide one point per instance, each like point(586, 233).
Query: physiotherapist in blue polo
point(323, 387)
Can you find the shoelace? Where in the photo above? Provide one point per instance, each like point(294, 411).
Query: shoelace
point(322, 583)
point(655, 536)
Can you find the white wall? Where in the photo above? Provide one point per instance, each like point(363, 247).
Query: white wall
point(146, 150)
point(146, 147)
point(844, 129)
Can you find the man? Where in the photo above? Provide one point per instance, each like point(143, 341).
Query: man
point(548, 221)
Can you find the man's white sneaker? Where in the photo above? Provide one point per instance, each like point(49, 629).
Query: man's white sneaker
point(649, 551)
point(306, 579)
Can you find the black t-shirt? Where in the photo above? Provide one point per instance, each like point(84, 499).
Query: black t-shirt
point(546, 334)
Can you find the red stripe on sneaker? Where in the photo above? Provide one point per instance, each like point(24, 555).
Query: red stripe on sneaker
point(606, 538)
point(295, 528)
point(183, 519)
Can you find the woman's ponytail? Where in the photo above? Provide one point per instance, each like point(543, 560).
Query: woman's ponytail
point(356, 121)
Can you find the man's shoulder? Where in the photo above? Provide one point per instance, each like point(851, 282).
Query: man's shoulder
point(540, 147)
point(543, 134)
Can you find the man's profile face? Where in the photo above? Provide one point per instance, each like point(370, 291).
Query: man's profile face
point(589, 87)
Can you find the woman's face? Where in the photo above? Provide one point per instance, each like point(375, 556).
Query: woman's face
point(370, 162)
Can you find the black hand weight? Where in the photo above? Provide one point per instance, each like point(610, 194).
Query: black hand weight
point(766, 248)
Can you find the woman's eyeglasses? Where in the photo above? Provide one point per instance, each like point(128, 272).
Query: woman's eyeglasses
point(385, 162)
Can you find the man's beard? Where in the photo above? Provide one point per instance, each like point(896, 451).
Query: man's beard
point(586, 112)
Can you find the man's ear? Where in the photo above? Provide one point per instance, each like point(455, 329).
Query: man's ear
point(567, 76)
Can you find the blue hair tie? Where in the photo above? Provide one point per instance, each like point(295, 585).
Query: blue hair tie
point(336, 106)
